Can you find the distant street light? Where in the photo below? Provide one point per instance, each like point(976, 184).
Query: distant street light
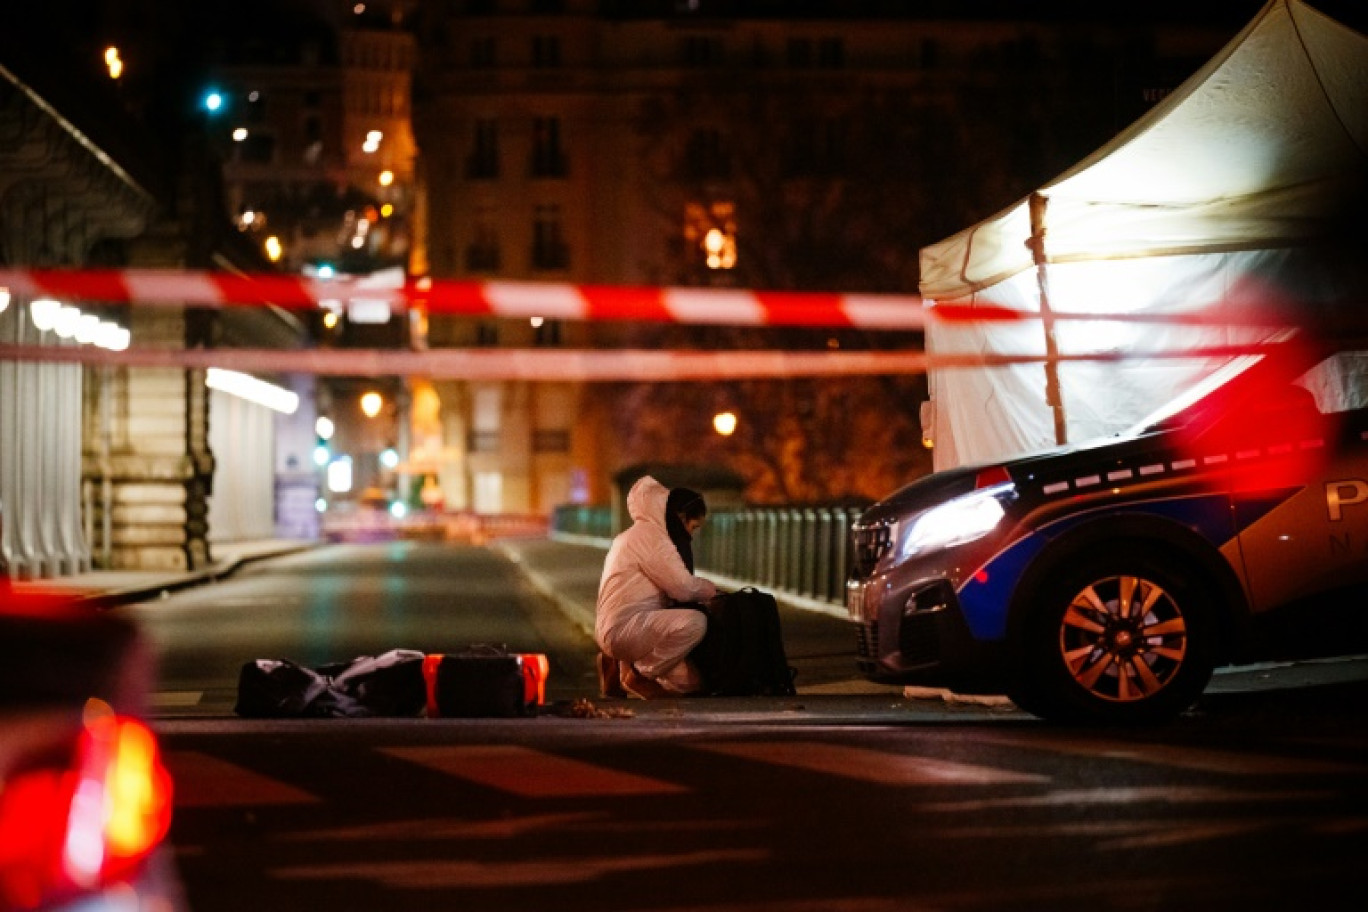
point(111, 57)
point(386, 178)
point(724, 423)
point(371, 403)
point(274, 249)
point(213, 102)
point(239, 134)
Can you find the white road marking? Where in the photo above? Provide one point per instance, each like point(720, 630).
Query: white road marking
point(531, 773)
point(866, 765)
point(204, 781)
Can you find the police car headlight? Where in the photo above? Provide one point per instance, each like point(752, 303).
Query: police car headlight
point(955, 522)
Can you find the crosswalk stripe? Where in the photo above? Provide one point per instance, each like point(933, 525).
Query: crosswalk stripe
point(1193, 758)
point(531, 773)
point(866, 765)
point(204, 781)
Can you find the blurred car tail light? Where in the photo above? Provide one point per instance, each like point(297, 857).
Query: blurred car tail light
point(64, 831)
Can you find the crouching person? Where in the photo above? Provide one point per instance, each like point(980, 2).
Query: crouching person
point(644, 640)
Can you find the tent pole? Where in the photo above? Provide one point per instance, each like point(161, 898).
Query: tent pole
point(1054, 395)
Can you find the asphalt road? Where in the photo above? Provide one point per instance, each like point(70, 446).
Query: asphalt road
point(828, 801)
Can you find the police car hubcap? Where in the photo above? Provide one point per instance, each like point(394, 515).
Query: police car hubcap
point(1123, 638)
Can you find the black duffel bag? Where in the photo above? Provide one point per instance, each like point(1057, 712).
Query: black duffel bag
point(742, 654)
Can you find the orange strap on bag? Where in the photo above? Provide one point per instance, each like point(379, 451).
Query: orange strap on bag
point(535, 669)
point(430, 665)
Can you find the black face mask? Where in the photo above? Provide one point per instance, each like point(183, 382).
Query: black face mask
point(683, 541)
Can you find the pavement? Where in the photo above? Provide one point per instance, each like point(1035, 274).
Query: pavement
point(566, 572)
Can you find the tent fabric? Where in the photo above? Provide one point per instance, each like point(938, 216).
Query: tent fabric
point(1215, 195)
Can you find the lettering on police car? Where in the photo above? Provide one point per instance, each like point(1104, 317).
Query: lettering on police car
point(1346, 493)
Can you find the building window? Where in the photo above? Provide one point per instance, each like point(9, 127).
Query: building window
point(484, 159)
point(551, 441)
point(831, 53)
point(483, 442)
point(487, 334)
point(256, 108)
point(710, 233)
point(546, 333)
point(257, 148)
point(482, 255)
point(549, 250)
point(706, 156)
point(483, 53)
point(546, 51)
point(800, 52)
point(548, 158)
point(817, 147)
point(930, 54)
point(702, 50)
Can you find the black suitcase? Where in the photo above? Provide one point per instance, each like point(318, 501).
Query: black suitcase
point(482, 681)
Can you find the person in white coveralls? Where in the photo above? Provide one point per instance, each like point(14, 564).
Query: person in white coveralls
point(644, 640)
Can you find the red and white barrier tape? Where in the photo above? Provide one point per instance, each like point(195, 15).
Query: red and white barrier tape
point(542, 364)
point(561, 301)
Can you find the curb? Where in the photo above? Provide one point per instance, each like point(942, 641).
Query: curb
point(117, 597)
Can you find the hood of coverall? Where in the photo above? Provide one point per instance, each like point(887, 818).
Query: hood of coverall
point(646, 501)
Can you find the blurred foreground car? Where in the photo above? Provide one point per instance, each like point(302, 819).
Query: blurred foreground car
point(1104, 582)
point(85, 801)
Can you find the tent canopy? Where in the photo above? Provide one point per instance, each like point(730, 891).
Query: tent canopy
point(1245, 154)
point(1243, 166)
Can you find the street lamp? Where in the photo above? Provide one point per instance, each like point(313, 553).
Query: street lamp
point(371, 403)
point(724, 423)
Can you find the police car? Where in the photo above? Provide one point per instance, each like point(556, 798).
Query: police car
point(1104, 582)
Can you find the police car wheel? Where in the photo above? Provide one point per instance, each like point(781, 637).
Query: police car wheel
point(1121, 639)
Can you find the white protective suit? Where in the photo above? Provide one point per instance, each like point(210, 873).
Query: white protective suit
point(641, 575)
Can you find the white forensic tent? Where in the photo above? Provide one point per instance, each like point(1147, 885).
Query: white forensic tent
point(1214, 198)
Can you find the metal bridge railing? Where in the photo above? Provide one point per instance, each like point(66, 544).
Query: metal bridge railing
point(801, 550)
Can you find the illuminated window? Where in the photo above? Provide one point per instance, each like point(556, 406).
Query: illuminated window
point(710, 233)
